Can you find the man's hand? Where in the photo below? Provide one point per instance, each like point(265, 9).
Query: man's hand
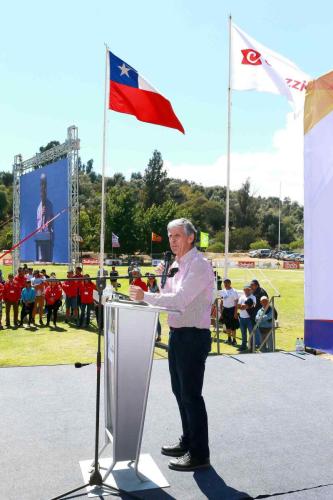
point(159, 269)
point(136, 293)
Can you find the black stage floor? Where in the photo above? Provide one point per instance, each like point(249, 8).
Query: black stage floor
point(270, 420)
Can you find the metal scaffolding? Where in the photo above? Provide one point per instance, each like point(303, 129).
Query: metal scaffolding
point(70, 150)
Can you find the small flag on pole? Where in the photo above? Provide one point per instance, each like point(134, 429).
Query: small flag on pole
point(115, 241)
point(131, 94)
point(204, 240)
point(156, 238)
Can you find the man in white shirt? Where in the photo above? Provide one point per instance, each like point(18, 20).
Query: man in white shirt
point(190, 291)
point(229, 298)
point(246, 306)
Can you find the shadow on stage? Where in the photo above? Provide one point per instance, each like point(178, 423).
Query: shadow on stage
point(214, 487)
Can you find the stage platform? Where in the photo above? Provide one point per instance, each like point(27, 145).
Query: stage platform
point(270, 421)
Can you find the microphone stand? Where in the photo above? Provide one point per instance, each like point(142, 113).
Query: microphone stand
point(95, 476)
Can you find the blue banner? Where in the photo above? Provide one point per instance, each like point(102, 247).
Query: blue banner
point(44, 193)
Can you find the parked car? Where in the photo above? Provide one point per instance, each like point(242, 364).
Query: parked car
point(289, 256)
point(253, 253)
point(264, 253)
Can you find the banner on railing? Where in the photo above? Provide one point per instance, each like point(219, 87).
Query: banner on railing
point(248, 264)
point(291, 264)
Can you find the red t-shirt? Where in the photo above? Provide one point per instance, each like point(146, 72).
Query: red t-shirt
point(21, 280)
point(140, 283)
point(52, 294)
point(86, 292)
point(70, 288)
point(1, 291)
point(11, 292)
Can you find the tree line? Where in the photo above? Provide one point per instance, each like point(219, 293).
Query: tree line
point(147, 202)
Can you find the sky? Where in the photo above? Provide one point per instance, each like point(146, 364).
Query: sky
point(52, 65)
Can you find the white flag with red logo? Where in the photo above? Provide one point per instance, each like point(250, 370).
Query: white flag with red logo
point(255, 67)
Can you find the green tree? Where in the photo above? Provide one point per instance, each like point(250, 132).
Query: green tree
point(244, 207)
point(122, 218)
point(155, 219)
point(6, 178)
point(155, 181)
point(241, 238)
point(48, 146)
point(3, 203)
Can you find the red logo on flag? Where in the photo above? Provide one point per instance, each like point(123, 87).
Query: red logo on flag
point(252, 57)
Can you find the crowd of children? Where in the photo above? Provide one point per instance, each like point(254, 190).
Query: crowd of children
point(41, 295)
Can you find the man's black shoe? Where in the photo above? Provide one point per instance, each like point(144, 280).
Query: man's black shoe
point(187, 463)
point(175, 450)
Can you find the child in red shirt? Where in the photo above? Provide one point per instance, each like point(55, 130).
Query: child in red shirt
point(71, 289)
point(11, 296)
point(53, 294)
point(86, 290)
point(137, 281)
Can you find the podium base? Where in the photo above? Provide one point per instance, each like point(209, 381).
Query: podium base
point(123, 476)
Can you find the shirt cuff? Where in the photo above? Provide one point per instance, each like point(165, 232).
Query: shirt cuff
point(150, 298)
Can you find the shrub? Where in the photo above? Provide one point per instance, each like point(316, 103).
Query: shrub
point(297, 244)
point(216, 247)
point(257, 245)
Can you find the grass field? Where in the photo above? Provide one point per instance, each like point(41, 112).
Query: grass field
point(67, 344)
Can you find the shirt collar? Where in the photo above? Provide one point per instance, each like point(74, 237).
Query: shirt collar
point(187, 257)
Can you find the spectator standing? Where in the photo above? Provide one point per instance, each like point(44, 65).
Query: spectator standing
point(246, 305)
point(129, 272)
point(20, 279)
point(1, 299)
point(43, 272)
point(86, 291)
point(11, 295)
point(38, 283)
point(53, 294)
point(154, 288)
point(229, 298)
point(218, 280)
point(30, 273)
point(78, 274)
point(114, 274)
point(28, 295)
point(265, 319)
point(258, 292)
point(137, 281)
point(71, 289)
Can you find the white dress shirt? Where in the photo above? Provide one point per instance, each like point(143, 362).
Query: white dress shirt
point(190, 291)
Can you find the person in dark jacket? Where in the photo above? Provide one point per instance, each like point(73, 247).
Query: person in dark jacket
point(258, 292)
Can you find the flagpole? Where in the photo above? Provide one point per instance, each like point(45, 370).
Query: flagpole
point(279, 235)
point(227, 201)
point(102, 237)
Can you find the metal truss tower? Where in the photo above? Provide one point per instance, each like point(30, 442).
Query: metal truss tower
point(70, 150)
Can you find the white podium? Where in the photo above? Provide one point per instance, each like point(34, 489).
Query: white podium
point(129, 340)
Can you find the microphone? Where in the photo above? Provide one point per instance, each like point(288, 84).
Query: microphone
point(167, 262)
point(173, 271)
point(79, 365)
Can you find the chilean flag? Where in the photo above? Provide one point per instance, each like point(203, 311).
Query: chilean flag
point(131, 94)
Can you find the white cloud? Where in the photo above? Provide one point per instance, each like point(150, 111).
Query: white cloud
point(265, 169)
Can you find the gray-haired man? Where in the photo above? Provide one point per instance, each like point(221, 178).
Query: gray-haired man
point(191, 292)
